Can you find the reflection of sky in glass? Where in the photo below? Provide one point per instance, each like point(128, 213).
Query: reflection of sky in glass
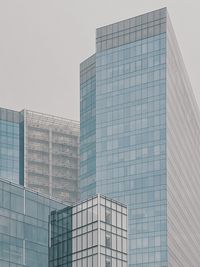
point(130, 141)
point(130, 132)
point(24, 226)
point(88, 128)
point(9, 150)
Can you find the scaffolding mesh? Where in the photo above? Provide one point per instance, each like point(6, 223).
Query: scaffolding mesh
point(52, 155)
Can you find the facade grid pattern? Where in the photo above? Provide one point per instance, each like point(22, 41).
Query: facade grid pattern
point(148, 139)
point(52, 155)
point(131, 130)
point(183, 153)
point(88, 127)
point(11, 145)
point(24, 226)
point(98, 229)
point(41, 152)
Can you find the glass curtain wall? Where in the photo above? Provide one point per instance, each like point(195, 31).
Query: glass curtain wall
point(24, 226)
point(96, 231)
point(11, 145)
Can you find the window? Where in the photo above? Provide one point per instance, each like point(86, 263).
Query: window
point(108, 262)
point(108, 218)
point(108, 240)
point(103, 213)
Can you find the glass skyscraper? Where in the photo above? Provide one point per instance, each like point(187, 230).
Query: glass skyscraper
point(41, 152)
point(139, 138)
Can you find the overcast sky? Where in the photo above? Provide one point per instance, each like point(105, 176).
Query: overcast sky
point(42, 43)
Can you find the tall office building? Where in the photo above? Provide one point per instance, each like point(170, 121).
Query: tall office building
point(140, 138)
point(40, 152)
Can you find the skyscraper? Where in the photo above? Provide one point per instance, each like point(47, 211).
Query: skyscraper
point(140, 138)
point(41, 152)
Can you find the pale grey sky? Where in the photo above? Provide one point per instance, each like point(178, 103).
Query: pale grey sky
point(42, 43)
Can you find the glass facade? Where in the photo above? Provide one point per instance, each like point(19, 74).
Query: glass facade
point(91, 233)
point(60, 238)
point(147, 139)
point(24, 226)
point(131, 130)
point(88, 127)
point(11, 146)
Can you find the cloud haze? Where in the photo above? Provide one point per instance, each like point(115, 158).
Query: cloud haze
point(42, 43)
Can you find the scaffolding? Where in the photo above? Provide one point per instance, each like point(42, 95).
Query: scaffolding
point(51, 147)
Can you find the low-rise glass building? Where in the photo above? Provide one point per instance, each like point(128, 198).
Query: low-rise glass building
point(91, 233)
point(24, 226)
